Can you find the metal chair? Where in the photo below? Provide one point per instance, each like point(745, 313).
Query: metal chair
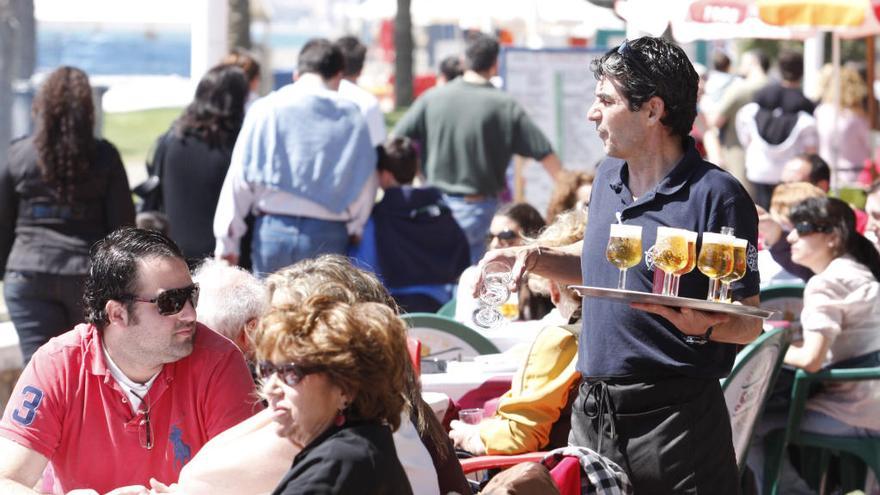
point(786, 300)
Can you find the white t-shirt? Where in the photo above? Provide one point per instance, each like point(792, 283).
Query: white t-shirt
point(369, 106)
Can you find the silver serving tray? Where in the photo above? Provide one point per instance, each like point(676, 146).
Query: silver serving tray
point(629, 296)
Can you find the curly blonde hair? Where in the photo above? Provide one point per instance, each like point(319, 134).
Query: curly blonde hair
point(360, 347)
point(786, 196)
point(568, 228)
point(853, 89)
point(564, 195)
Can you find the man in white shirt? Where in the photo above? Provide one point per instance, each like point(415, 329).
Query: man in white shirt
point(354, 53)
point(304, 165)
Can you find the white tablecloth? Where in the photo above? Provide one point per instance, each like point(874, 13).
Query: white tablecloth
point(10, 352)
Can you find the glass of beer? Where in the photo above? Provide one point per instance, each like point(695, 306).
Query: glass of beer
point(715, 260)
point(670, 254)
point(691, 238)
point(740, 253)
point(624, 249)
point(493, 293)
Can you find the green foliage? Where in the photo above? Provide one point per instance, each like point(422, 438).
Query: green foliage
point(393, 116)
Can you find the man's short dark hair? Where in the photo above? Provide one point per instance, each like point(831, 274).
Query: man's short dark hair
point(481, 53)
point(450, 67)
point(114, 267)
point(819, 169)
point(791, 65)
point(354, 53)
point(321, 57)
point(648, 67)
point(720, 61)
point(399, 156)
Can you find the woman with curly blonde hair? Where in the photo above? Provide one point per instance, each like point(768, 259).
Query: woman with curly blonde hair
point(844, 131)
point(333, 374)
point(61, 190)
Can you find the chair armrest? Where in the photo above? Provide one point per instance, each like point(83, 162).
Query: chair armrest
point(499, 461)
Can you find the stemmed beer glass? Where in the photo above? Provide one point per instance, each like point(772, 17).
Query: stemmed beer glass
point(493, 293)
point(670, 254)
point(740, 252)
point(716, 260)
point(624, 249)
point(691, 238)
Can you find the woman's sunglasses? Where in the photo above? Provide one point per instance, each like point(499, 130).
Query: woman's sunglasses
point(804, 228)
point(171, 301)
point(505, 236)
point(290, 373)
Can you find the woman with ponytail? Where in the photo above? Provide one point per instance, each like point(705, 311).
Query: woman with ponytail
point(840, 323)
point(61, 189)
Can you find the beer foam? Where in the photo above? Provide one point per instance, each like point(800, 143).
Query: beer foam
point(626, 231)
point(740, 243)
point(714, 238)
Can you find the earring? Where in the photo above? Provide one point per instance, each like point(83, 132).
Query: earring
point(339, 420)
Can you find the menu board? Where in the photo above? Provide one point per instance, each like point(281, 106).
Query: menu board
point(556, 88)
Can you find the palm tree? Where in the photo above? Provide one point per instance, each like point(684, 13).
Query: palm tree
point(239, 31)
point(403, 60)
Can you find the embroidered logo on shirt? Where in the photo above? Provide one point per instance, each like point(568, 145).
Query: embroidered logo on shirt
point(752, 258)
point(649, 258)
point(182, 451)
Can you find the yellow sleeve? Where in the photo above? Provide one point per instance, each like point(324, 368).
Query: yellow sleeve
point(528, 411)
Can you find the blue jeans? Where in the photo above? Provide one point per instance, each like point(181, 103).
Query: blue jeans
point(812, 421)
point(42, 306)
point(281, 241)
point(474, 218)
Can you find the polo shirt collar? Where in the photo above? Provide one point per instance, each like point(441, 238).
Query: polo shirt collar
point(94, 356)
point(677, 178)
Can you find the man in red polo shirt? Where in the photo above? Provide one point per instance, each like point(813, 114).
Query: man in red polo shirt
point(135, 392)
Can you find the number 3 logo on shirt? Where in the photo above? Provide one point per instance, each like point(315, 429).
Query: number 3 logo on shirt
point(28, 410)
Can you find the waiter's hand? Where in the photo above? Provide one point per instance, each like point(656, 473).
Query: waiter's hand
point(518, 258)
point(688, 321)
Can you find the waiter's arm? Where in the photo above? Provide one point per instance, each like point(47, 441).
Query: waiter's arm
point(560, 264)
point(729, 329)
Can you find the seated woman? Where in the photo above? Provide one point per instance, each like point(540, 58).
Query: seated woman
point(333, 376)
point(512, 225)
point(532, 415)
point(840, 319)
point(250, 458)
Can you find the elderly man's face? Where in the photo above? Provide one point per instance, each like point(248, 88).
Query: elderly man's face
point(619, 128)
point(796, 170)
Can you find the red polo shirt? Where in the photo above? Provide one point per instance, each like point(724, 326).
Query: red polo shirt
point(68, 407)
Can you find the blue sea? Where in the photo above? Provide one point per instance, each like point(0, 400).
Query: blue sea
point(113, 51)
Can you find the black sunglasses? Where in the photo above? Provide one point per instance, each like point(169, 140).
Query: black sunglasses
point(503, 236)
point(290, 373)
point(171, 301)
point(804, 228)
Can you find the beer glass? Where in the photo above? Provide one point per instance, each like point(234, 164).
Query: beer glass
point(624, 249)
point(691, 238)
point(670, 254)
point(493, 293)
point(740, 253)
point(715, 260)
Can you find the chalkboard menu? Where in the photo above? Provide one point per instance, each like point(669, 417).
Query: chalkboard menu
point(556, 88)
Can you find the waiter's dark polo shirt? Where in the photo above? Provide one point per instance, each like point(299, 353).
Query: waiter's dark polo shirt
point(618, 341)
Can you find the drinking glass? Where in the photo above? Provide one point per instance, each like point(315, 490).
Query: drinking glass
point(716, 259)
point(493, 293)
point(740, 252)
point(624, 249)
point(470, 416)
point(670, 254)
point(691, 238)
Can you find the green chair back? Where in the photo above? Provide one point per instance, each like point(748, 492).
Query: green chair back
point(785, 300)
point(447, 309)
point(446, 338)
point(749, 384)
point(865, 448)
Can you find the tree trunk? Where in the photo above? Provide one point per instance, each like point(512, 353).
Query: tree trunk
point(239, 24)
point(25, 39)
point(403, 60)
point(7, 34)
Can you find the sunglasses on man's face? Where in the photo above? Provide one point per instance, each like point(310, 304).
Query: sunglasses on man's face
point(171, 301)
point(290, 373)
point(805, 228)
point(505, 236)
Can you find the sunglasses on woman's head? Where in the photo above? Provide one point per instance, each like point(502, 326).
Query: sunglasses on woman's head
point(503, 236)
point(804, 228)
point(290, 373)
point(171, 301)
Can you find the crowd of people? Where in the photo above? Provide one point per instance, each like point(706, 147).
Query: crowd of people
point(242, 333)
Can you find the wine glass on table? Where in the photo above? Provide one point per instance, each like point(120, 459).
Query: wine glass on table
point(691, 238)
point(740, 252)
point(716, 259)
point(624, 249)
point(670, 254)
point(493, 293)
